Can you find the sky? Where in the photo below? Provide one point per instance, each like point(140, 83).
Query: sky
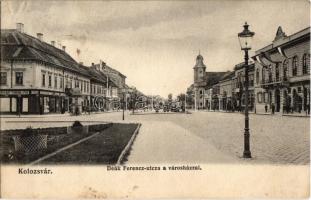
point(155, 43)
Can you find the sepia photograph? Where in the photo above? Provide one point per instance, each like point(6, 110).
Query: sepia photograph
point(155, 99)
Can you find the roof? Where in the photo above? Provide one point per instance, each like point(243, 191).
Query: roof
point(199, 62)
point(228, 76)
point(98, 76)
point(21, 46)
point(213, 77)
point(284, 40)
point(242, 65)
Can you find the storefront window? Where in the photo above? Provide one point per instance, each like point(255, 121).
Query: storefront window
point(19, 78)
point(3, 77)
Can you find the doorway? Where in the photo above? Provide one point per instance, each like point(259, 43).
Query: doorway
point(277, 99)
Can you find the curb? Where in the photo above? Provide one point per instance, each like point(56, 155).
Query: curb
point(62, 149)
point(128, 146)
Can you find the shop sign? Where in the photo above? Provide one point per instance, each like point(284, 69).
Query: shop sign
point(5, 93)
point(46, 93)
point(18, 92)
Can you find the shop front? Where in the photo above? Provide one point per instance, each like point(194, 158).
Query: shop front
point(30, 102)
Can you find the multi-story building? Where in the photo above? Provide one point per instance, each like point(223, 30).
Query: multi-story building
point(202, 81)
point(283, 73)
point(35, 75)
point(225, 91)
point(238, 87)
point(117, 78)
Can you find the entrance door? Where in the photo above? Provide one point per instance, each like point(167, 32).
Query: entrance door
point(277, 99)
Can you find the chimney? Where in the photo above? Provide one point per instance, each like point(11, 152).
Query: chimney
point(20, 27)
point(40, 36)
point(64, 48)
point(92, 64)
point(53, 43)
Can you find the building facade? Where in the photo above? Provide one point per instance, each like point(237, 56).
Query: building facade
point(39, 78)
point(35, 75)
point(283, 73)
point(203, 81)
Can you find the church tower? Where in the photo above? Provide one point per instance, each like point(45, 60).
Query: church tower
point(199, 70)
point(199, 82)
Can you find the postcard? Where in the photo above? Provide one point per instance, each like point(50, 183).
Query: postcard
point(155, 99)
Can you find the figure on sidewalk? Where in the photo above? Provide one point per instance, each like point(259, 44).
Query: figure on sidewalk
point(266, 108)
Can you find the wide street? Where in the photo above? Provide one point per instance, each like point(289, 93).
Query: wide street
point(200, 137)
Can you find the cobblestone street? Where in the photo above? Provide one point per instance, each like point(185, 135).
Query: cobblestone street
point(208, 137)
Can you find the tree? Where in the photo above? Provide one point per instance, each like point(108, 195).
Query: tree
point(170, 97)
point(181, 97)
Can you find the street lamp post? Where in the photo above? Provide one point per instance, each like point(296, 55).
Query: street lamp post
point(132, 92)
point(245, 39)
point(123, 102)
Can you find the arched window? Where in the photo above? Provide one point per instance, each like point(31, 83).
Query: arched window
point(295, 65)
point(263, 74)
point(277, 72)
point(257, 76)
point(306, 64)
point(285, 69)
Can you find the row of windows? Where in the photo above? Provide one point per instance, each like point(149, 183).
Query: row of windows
point(56, 85)
point(19, 78)
point(269, 70)
point(83, 85)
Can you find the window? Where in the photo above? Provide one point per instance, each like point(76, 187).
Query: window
point(19, 78)
point(50, 80)
point(61, 80)
point(259, 97)
point(295, 65)
point(43, 80)
point(251, 80)
point(55, 81)
point(3, 77)
point(285, 69)
point(263, 75)
point(257, 76)
point(306, 64)
point(277, 72)
point(270, 73)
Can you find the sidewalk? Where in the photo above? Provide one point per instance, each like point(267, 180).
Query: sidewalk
point(166, 142)
point(252, 112)
point(53, 115)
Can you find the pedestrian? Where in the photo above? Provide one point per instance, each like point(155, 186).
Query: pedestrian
point(272, 108)
point(266, 107)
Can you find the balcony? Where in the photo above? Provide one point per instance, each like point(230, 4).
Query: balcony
point(274, 82)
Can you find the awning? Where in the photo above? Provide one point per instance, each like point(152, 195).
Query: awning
point(73, 92)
